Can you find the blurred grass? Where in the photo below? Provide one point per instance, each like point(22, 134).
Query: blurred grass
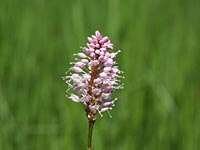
point(159, 107)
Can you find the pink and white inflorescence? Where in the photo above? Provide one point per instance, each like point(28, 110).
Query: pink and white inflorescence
point(94, 76)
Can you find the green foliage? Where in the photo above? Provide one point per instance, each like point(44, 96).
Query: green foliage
point(157, 110)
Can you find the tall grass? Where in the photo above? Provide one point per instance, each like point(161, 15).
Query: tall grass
point(157, 110)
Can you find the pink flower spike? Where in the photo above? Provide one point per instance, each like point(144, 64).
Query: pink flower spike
point(94, 76)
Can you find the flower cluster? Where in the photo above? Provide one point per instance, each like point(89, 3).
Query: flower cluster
point(94, 76)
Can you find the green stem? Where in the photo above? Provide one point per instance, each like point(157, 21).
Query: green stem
point(91, 125)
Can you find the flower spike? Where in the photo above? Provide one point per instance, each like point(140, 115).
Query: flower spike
point(94, 76)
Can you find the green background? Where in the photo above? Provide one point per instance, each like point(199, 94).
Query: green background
point(159, 108)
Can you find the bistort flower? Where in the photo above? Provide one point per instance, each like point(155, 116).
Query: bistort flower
point(94, 76)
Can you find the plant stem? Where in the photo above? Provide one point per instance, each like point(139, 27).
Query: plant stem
point(91, 125)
